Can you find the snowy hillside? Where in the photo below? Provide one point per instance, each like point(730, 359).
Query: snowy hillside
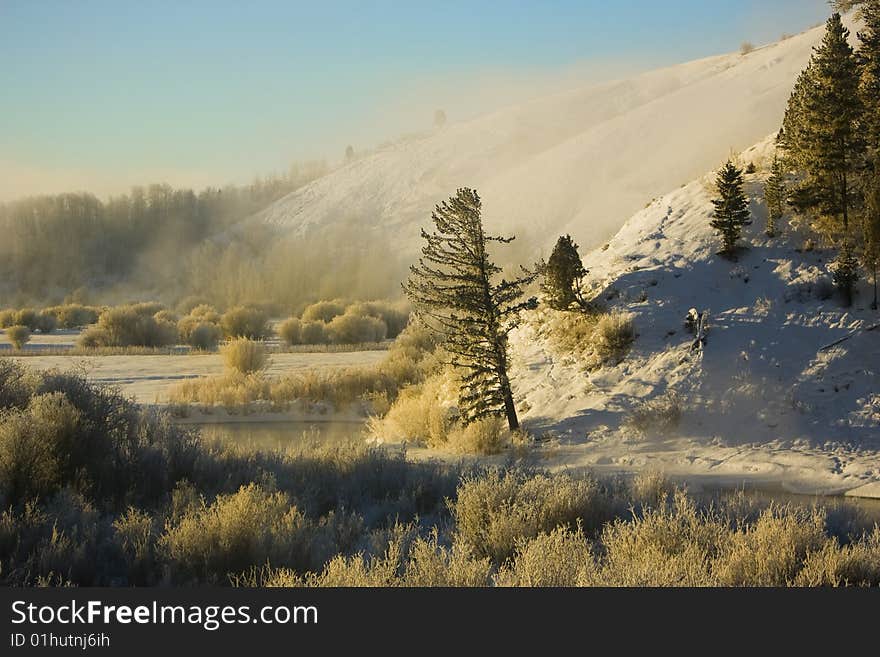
point(764, 402)
point(579, 162)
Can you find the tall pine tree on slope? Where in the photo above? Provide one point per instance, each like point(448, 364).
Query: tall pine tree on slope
point(869, 87)
point(821, 134)
point(869, 90)
point(775, 196)
point(823, 139)
point(731, 208)
point(871, 230)
point(454, 290)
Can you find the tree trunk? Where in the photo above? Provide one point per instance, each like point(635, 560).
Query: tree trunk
point(509, 406)
point(845, 199)
point(506, 391)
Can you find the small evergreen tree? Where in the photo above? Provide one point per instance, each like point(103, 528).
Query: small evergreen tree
point(454, 290)
point(846, 272)
point(563, 275)
point(731, 207)
point(775, 196)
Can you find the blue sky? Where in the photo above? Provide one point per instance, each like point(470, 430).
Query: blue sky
point(103, 94)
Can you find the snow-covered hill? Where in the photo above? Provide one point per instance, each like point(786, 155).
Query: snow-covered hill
point(763, 403)
point(579, 162)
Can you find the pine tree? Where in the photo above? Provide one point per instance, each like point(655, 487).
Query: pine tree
point(731, 207)
point(563, 275)
point(775, 196)
point(869, 87)
point(821, 134)
point(846, 271)
point(454, 290)
point(871, 231)
point(823, 138)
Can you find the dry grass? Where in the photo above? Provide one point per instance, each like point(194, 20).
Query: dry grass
point(408, 361)
point(593, 339)
point(660, 415)
point(485, 437)
point(562, 557)
point(495, 512)
point(419, 415)
point(99, 492)
point(244, 356)
point(426, 414)
point(613, 337)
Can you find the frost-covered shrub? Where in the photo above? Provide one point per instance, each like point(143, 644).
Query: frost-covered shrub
point(290, 331)
point(394, 315)
point(74, 315)
point(245, 356)
point(238, 531)
point(418, 415)
point(313, 332)
point(166, 316)
point(93, 337)
point(199, 332)
point(134, 535)
point(32, 444)
point(125, 326)
point(205, 313)
point(856, 564)
point(147, 307)
point(671, 545)
point(407, 560)
point(204, 336)
point(323, 311)
point(660, 415)
point(772, 551)
point(7, 318)
point(614, 335)
point(246, 322)
point(46, 322)
point(18, 335)
point(115, 452)
point(350, 328)
point(495, 512)
point(27, 317)
point(485, 436)
point(16, 385)
point(651, 488)
point(593, 338)
point(561, 557)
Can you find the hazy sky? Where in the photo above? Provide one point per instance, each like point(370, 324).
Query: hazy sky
point(100, 95)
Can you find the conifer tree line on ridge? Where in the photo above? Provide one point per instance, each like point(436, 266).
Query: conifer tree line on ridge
point(828, 162)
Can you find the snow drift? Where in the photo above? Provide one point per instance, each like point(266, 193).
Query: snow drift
point(773, 399)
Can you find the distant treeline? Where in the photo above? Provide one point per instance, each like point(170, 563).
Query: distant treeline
point(163, 242)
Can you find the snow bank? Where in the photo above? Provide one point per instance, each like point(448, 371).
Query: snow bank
point(764, 403)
